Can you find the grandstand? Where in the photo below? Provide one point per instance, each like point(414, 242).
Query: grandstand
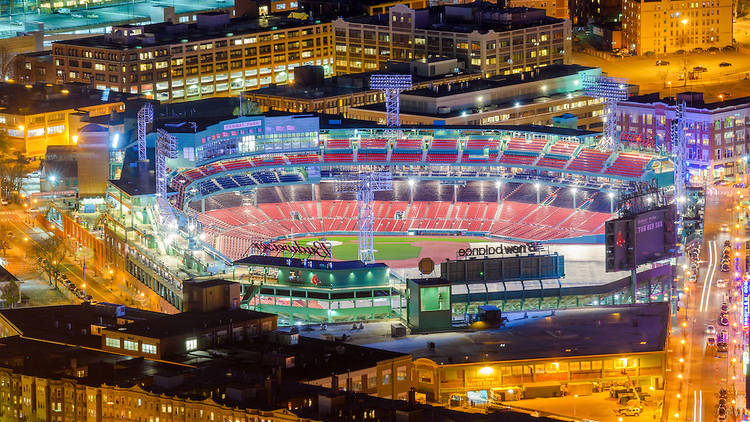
point(496, 181)
point(481, 212)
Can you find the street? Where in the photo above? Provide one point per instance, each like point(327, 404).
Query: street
point(34, 286)
point(698, 370)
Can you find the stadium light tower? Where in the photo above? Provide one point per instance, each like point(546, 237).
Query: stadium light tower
point(365, 185)
point(145, 116)
point(391, 85)
point(610, 90)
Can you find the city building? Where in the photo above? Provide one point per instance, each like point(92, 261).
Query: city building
point(535, 97)
point(314, 94)
point(717, 143)
point(667, 26)
point(215, 358)
point(34, 67)
point(627, 344)
point(488, 39)
point(214, 56)
point(185, 332)
point(35, 116)
point(553, 8)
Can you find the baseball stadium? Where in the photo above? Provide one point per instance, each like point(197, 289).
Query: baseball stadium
point(234, 185)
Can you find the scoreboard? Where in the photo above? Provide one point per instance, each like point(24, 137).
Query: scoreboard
point(646, 237)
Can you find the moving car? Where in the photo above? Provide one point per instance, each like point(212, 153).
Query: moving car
point(721, 283)
point(700, 68)
point(724, 267)
point(723, 321)
point(710, 342)
point(662, 63)
point(725, 64)
point(710, 330)
point(725, 227)
point(721, 414)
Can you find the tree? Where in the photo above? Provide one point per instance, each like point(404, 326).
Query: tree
point(13, 166)
point(49, 255)
point(246, 108)
point(5, 237)
point(10, 293)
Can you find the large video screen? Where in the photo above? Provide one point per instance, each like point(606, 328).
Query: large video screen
point(654, 235)
point(647, 237)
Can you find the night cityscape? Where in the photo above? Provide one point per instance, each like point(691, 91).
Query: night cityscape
point(375, 210)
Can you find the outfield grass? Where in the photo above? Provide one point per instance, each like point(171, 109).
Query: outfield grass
point(387, 247)
point(384, 251)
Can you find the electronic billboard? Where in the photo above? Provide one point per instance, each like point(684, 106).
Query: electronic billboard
point(646, 237)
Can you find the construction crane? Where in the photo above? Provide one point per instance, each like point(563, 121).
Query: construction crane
point(145, 116)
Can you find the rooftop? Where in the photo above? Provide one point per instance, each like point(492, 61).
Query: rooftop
point(338, 85)
point(541, 74)
point(189, 322)
point(580, 332)
point(99, 17)
point(28, 99)
point(694, 100)
point(136, 178)
point(209, 26)
point(71, 324)
point(479, 16)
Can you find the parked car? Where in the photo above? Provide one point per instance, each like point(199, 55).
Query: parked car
point(700, 68)
point(725, 227)
point(725, 64)
point(662, 63)
point(630, 411)
point(723, 321)
point(710, 330)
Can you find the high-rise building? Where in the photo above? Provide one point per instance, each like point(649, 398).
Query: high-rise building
point(489, 39)
point(667, 26)
point(215, 56)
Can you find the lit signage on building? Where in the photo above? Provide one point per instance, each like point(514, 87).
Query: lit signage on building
point(746, 303)
point(500, 249)
point(317, 248)
point(240, 125)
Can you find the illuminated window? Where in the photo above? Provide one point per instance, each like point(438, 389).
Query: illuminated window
point(148, 348)
point(191, 344)
point(130, 345)
point(112, 342)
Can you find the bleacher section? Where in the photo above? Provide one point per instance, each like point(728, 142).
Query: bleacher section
point(232, 228)
point(629, 165)
point(589, 160)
